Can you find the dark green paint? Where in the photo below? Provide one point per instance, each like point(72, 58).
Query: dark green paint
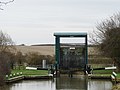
point(69, 35)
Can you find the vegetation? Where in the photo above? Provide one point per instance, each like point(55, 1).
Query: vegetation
point(102, 72)
point(31, 72)
point(107, 38)
point(36, 59)
point(116, 87)
point(10, 59)
point(6, 45)
point(118, 75)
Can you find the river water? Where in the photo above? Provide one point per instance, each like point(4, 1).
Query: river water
point(62, 83)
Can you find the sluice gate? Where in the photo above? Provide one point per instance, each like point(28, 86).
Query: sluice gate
point(71, 57)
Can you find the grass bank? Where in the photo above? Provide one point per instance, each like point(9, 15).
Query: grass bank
point(102, 71)
point(17, 75)
point(116, 87)
point(105, 72)
point(31, 72)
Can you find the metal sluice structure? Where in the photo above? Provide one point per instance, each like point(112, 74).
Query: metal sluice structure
point(71, 56)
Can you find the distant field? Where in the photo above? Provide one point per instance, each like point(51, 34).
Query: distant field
point(44, 50)
point(50, 50)
point(47, 50)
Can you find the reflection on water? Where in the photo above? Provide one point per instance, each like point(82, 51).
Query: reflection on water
point(82, 83)
point(71, 83)
point(62, 83)
point(99, 85)
point(34, 85)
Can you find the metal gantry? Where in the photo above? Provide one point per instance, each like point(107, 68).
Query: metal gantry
point(69, 35)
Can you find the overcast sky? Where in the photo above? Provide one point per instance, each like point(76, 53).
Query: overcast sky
point(35, 21)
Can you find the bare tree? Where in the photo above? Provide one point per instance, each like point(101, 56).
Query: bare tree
point(4, 2)
point(20, 59)
point(6, 42)
point(6, 46)
point(107, 37)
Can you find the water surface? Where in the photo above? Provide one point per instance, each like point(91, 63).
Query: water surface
point(62, 83)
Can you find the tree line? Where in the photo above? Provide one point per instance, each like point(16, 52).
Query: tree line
point(107, 38)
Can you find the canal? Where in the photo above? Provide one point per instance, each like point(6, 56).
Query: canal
point(62, 83)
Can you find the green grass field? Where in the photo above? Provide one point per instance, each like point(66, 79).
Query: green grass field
point(31, 72)
point(118, 75)
point(102, 71)
point(45, 72)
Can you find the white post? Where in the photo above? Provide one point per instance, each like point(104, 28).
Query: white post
point(44, 64)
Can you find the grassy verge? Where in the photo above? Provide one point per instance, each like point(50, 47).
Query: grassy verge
point(31, 72)
point(105, 73)
point(102, 71)
point(116, 87)
point(118, 75)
